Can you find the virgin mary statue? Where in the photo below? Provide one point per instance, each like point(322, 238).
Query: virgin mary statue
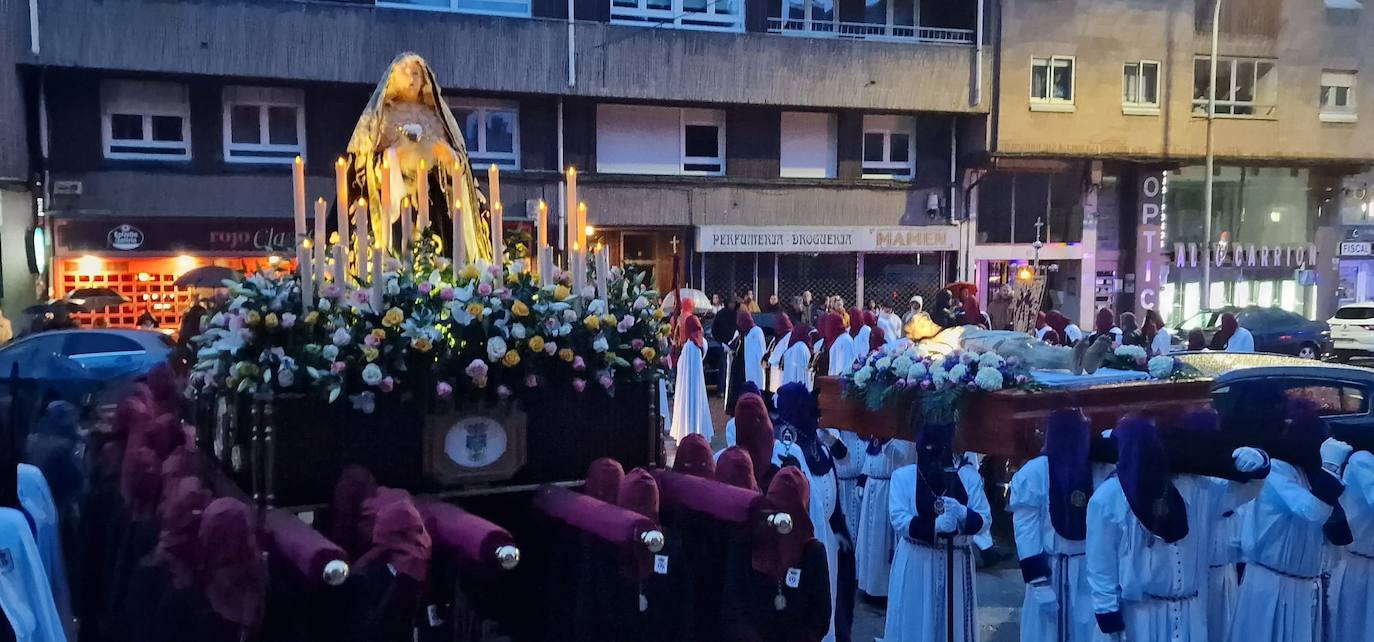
point(407, 115)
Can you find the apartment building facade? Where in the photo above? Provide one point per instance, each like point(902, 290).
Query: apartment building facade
point(1099, 130)
point(776, 147)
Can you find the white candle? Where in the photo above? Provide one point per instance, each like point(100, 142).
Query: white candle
point(582, 226)
point(459, 252)
point(498, 237)
point(298, 186)
point(378, 282)
point(363, 239)
point(570, 216)
point(303, 276)
point(340, 260)
point(407, 232)
point(422, 198)
point(393, 204)
point(341, 197)
point(321, 241)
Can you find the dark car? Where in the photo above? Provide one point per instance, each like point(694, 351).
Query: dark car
point(1275, 330)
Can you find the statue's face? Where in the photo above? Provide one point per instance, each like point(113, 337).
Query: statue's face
point(407, 82)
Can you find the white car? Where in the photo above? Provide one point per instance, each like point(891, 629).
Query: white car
point(1352, 331)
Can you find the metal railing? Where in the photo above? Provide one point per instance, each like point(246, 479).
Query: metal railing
point(870, 31)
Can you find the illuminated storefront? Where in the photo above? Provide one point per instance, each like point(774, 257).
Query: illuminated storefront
point(141, 258)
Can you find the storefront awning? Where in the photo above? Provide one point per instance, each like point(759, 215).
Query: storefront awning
point(162, 236)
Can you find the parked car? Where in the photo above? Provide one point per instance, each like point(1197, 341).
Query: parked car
point(104, 353)
point(1352, 331)
point(1275, 330)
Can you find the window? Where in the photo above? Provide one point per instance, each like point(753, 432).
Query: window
point(80, 344)
point(1344, 4)
point(1140, 87)
point(714, 15)
point(893, 20)
point(491, 130)
point(808, 145)
point(1331, 398)
point(263, 124)
point(889, 147)
point(1051, 87)
point(635, 139)
point(1338, 97)
point(1246, 87)
point(492, 7)
point(145, 120)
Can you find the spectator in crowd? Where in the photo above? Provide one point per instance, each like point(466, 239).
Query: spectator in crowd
point(1197, 340)
point(751, 303)
point(773, 304)
point(999, 308)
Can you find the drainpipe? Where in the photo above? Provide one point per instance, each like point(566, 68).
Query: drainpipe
point(33, 27)
point(562, 185)
point(572, 47)
point(978, 57)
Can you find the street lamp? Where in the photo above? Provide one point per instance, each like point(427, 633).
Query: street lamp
point(1207, 190)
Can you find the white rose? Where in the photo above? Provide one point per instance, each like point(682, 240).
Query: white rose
point(569, 315)
point(901, 364)
point(341, 337)
point(958, 371)
point(884, 363)
point(641, 303)
point(917, 371)
point(1161, 367)
point(518, 331)
point(862, 377)
point(286, 377)
point(967, 357)
point(330, 352)
point(988, 379)
point(938, 376)
point(372, 375)
point(1131, 352)
point(496, 348)
point(324, 305)
point(600, 344)
point(990, 360)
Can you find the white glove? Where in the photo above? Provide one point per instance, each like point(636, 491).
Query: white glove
point(946, 523)
point(1248, 459)
point(859, 493)
point(1107, 434)
point(1334, 453)
point(953, 507)
point(1043, 595)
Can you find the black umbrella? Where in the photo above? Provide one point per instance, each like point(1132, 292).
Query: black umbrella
point(53, 306)
point(207, 276)
point(96, 298)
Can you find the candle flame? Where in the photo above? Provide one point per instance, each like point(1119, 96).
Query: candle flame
point(299, 160)
point(582, 207)
point(422, 164)
point(543, 207)
point(572, 171)
point(320, 200)
point(341, 162)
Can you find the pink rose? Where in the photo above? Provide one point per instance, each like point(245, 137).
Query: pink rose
point(625, 325)
point(639, 364)
point(503, 391)
point(443, 390)
point(477, 369)
point(360, 296)
point(579, 385)
point(446, 293)
point(505, 294)
point(484, 289)
point(578, 364)
point(605, 381)
point(338, 367)
point(331, 291)
point(531, 381)
point(387, 384)
point(637, 343)
point(371, 340)
point(550, 347)
point(494, 269)
point(425, 287)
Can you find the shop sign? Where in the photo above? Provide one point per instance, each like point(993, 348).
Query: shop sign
point(1150, 261)
point(1243, 255)
point(150, 236)
point(1357, 248)
point(819, 239)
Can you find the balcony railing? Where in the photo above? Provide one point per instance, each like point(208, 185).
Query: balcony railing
point(721, 15)
point(870, 31)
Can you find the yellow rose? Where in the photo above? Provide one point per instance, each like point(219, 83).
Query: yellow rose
point(370, 353)
point(254, 317)
point(469, 272)
point(592, 322)
point(272, 320)
point(658, 313)
point(520, 309)
point(561, 292)
point(512, 278)
point(608, 319)
point(566, 354)
point(648, 353)
point(536, 343)
point(393, 317)
point(663, 330)
point(511, 359)
point(380, 334)
point(475, 309)
point(421, 344)
point(312, 317)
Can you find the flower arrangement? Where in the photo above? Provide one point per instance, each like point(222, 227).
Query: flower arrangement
point(941, 382)
point(435, 331)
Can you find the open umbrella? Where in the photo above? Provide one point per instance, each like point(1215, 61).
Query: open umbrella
point(53, 306)
point(96, 298)
point(207, 276)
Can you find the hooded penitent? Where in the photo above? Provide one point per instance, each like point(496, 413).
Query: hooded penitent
point(856, 321)
point(639, 492)
point(744, 321)
point(231, 572)
point(876, 339)
point(800, 334)
point(788, 493)
point(736, 468)
point(1147, 479)
point(399, 538)
point(178, 539)
point(830, 327)
point(797, 410)
point(355, 485)
point(1059, 323)
point(1104, 321)
point(603, 479)
point(782, 325)
point(690, 330)
point(1067, 440)
point(694, 457)
point(754, 433)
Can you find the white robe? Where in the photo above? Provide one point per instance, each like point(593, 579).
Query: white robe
point(25, 594)
point(824, 495)
point(1159, 588)
point(1035, 535)
point(1072, 333)
point(1282, 531)
point(775, 362)
point(916, 601)
point(892, 327)
point(874, 543)
point(691, 411)
point(1163, 342)
point(848, 470)
point(36, 498)
point(796, 365)
point(1223, 585)
point(1352, 580)
point(1241, 341)
point(841, 355)
point(754, 347)
point(861, 341)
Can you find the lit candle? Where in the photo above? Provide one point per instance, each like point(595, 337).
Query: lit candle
point(541, 231)
point(582, 226)
point(422, 198)
point(303, 275)
point(298, 186)
point(363, 240)
point(393, 204)
point(407, 232)
point(384, 208)
point(340, 260)
point(378, 282)
point(569, 216)
point(459, 252)
point(498, 237)
point(321, 241)
point(341, 198)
